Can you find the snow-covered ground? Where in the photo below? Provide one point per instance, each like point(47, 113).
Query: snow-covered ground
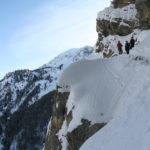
point(130, 126)
point(127, 13)
point(115, 91)
point(70, 56)
point(110, 43)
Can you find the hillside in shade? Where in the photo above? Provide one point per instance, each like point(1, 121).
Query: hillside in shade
point(26, 99)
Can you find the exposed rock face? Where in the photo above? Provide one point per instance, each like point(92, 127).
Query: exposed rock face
point(58, 117)
point(143, 14)
point(75, 138)
point(143, 10)
point(106, 27)
point(116, 21)
point(121, 3)
point(79, 135)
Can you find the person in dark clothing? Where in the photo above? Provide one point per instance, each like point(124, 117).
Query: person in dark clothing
point(119, 45)
point(127, 47)
point(60, 67)
point(132, 42)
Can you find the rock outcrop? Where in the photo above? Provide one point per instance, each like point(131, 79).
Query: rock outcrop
point(143, 10)
point(115, 21)
point(143, 7)
point(121, 19)
point(121, 3)
point(60, 117)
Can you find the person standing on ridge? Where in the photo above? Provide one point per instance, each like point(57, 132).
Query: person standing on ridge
point(60, 67)
point(132, 42)
point(119, 45)
point(127, 47)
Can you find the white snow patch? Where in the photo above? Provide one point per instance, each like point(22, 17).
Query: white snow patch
point(13, 145)
point(62, 135)
point(57, 105)
point(111, 14)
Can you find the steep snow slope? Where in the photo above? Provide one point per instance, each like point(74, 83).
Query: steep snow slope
point(70, 56)
point(114, 91)
point(20, 92)
point(129, 128)
point(45, 77)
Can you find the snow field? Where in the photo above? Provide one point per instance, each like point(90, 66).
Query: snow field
point(114, 91)
point(130, 127)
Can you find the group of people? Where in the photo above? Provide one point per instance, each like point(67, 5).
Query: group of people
point(128, 46)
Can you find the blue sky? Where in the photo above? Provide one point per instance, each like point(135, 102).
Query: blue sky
point(32, 32)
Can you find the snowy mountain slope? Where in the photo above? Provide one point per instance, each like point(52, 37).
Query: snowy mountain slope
point(70, 56)
point(112, 91)
point(129, 127)
point(44, 78)
point(23, 88)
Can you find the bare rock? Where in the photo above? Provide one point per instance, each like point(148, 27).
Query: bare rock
point(143, 8)
point(74, 138)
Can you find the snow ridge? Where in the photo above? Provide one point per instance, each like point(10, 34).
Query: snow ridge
point(113, 91)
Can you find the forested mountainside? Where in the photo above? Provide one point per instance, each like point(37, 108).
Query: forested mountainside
point(26, 99)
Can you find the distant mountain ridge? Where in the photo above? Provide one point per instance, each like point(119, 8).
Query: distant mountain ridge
point(22, 90)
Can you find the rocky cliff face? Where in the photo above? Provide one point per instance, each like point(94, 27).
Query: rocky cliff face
point(59, 119)
point(143, 14)
point(26, 99)
point(121, 19)
point(122, 3)
point(115, 21)
point(143, 10)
